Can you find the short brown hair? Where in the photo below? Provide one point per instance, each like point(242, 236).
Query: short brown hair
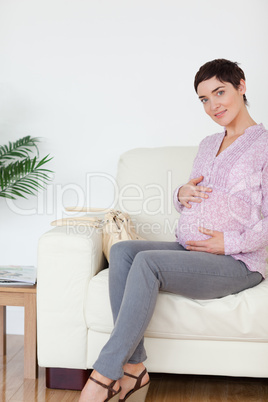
point(224, 70)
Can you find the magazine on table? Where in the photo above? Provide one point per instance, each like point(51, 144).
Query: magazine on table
point(17, 275)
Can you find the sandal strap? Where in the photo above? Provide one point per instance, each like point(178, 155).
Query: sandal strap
point(139, 378)
point(111, 391)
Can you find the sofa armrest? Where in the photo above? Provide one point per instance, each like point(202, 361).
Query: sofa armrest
point(67, 260)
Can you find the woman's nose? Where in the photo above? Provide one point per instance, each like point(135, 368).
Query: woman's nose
point(214, 105)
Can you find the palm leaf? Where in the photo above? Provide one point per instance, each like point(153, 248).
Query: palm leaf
point(18, 149)
point(23, 177)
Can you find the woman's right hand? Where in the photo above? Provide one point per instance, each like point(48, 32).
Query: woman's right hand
point(190, 192)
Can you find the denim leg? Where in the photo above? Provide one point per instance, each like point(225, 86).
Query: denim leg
point(122, 255)
point(136, 309)
point(197, 275)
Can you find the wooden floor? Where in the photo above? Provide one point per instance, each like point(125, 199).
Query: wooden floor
point(163, 388)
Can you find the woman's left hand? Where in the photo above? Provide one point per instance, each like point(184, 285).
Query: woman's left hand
point(214, 245)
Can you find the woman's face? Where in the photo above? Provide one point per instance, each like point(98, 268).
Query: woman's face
point(222, 102)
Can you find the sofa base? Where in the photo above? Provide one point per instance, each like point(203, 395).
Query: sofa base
point(63, 378)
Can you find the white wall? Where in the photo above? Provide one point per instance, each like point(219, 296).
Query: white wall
point(96, 78)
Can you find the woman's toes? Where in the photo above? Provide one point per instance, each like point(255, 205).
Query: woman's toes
point(95, 392)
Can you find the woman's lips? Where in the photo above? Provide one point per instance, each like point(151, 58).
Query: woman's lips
point(220, 114)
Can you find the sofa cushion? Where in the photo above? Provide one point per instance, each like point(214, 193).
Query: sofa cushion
point(242, 316)
point(146, 179)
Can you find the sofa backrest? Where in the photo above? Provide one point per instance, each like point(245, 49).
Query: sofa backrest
point(146, 179)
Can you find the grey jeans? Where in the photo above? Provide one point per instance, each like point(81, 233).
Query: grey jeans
point(139, 270)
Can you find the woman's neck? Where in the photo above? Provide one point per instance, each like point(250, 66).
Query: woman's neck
point(240, 124)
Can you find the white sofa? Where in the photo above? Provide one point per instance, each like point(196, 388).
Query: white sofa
point(227, 336)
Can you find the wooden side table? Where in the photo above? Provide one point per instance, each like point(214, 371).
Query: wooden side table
point(21, 296)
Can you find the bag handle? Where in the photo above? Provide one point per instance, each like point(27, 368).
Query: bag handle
point(84, 220)
point(88, 209)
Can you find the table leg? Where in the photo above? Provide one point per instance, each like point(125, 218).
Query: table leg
point(30, 343)
point(2, 330)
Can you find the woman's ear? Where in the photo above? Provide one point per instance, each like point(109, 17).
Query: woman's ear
point(242, 87)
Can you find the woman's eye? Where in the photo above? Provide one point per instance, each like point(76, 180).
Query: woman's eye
point(220, 93)
point(204, 100)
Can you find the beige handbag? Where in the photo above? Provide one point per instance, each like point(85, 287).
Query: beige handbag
point(115, 225)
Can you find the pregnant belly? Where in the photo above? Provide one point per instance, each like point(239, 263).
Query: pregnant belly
point(218, 212)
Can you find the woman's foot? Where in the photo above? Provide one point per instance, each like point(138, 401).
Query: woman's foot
point(128, 383)
point(95, 392)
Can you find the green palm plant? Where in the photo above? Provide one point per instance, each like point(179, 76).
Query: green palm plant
point(21, 173)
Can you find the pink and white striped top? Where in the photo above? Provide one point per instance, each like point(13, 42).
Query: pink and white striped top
point(238, 203)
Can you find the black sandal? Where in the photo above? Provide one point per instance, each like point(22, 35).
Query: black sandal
point(113, 395)
point(139, 392)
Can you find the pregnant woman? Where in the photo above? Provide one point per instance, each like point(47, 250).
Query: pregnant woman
point(220, 238)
